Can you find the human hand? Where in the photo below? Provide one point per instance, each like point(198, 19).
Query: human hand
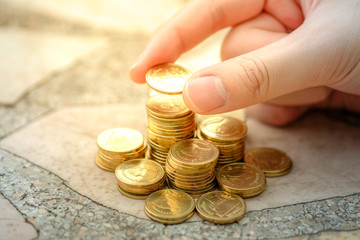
point(289, 56)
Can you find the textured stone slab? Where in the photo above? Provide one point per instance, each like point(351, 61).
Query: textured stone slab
point(325, 155)
point(12, 224)
point(27, 57)
point(134, 15)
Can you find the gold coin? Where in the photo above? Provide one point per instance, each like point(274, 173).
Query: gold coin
point(220, 207)
point(194, 152)
point(167, 106)
point(167, 78)
point(132, 195)
point(169, 205)
point(223, 128)
point(121, 140)
point(243, 179)
point(165, 221)
point(101, 165)
point(271, 161)
point(139, 172)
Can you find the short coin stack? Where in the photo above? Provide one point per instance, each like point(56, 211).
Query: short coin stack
point(271, 161)
point(169, 206)
point(118, 145)
point(220, 207)
point(138, 178)
point(228, 134)
point(169, 121)
point(190, 166)
point(243, 179)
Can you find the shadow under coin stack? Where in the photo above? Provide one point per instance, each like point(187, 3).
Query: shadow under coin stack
point(190, 166)
point(169, 121)
point(138, 178)
point(228, 134)
point(118, 145)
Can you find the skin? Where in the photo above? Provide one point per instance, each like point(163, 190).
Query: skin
point(280, 58)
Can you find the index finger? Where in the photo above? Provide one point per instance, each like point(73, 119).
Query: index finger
point(189, 27)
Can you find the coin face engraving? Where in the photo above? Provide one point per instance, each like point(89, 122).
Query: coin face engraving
point(167, 106)
point(223, 128)
point(240, 175)
point(195, 151)
point(167, 78)
point(120, 140)
point(220, 207)
point(269, 160)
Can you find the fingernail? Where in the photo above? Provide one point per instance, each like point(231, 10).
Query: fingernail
point(205, 93)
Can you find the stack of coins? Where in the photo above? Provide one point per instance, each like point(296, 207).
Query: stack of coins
point(169, 206)
point(228, 134)
point(220, 207)
point(138, 178)
point(118, 145)
point(243, 179)
point(271, 161)
point(169, 121)
point(190, 166)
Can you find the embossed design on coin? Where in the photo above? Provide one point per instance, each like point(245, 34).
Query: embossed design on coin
point(168, 106)
point(167, 78)
point(223, 128)
point(121, 140)
point(220, 207)
point(271, 161)
point(169, 206)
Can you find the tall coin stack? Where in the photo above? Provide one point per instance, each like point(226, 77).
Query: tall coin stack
point(228, 134)
point(169, 121)
point(118, 145)
point(190, 166)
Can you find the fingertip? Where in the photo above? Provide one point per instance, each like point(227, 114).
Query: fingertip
point(137, 73)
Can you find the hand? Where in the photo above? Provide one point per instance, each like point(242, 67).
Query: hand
point(287, 55)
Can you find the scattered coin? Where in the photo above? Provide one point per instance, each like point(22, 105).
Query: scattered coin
point(271, 161)
point(220, 207)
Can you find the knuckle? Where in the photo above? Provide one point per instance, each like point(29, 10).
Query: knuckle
point(256, 79)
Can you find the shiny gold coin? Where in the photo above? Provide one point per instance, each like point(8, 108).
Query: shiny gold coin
point(221, 207)
point(167, 106)
point(101, 165)
point(164, 221)
point(140, 176)
point(120, 140)
point(194, 152)
point(223, 128)
point(271, 161)
point(169, 205)
point(167, 78)
point(132, 195)
point(243, 179)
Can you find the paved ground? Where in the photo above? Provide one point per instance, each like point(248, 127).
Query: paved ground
point(64, 78)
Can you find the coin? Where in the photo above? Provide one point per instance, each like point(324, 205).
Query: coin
point(220, 207)
point(167, 78)
point(243, 179)
point(167, 106)
point(271, 161)
point(123, 140)
point(223, 129)
point(169, 206)
point(140, 176)
point(132, 195)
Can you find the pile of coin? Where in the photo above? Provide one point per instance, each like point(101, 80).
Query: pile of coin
point(169, 206)
point(271, 161)
point(169, 121)
point(228, 134)
point(138, 178)
point(242, 179)
point(118, 145)
point(190, 166)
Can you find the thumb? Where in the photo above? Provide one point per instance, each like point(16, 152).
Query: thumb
point(283, 67)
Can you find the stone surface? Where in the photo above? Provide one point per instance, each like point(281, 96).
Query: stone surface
point(28, 57)
point(49, 182)
point(132, 16)
point(12, 224)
